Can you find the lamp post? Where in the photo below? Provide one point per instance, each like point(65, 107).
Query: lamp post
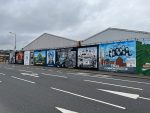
point(15, 39)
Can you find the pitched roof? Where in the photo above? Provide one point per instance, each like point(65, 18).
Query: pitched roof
point(45, 37)
point(118, 29)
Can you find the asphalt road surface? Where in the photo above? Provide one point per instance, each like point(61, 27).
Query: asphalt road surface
point(32, 89)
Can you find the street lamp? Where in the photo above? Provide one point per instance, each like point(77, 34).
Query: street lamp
point(15, 39)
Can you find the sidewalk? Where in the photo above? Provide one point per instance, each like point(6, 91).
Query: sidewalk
point(93, 72)
point(121, 74)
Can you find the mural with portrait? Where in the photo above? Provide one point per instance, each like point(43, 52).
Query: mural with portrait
point(143, 57)
point(40, 57)
point(87, 57)
point(19, 57)
point(51, 57)
point(66, 58)
point(118, 56)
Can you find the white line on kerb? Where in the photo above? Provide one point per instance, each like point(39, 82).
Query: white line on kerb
point(54, 75)
point(88, 98)
point(23, 79)
point(113, 84)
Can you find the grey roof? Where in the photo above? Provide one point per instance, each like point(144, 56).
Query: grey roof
point(49, 41)
point(115, 34)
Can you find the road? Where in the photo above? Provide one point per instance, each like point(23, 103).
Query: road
point(32, 89)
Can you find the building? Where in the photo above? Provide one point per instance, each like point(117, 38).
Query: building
point(4, 55)
point(115, 34)
point(48, 41)
point(113, 49)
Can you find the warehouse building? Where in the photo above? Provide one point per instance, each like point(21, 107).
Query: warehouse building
point(115, 34)
point(48, 41)
point(120, 50)
point(117, 50)
point(51, 50)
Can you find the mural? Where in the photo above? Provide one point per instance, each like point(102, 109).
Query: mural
point(12, 58)
point(66, 58)
point(143, 57)
point(87, 57)
point(40, 57)
point(19, 57)
point(27, 58)
point(118, 56)
point(31, 57)
point(51, 57)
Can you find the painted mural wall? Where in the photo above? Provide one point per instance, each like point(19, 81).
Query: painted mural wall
point(87, 57)
point(19, 57)
point(27, 58)
point(51, 57)
point(31, 57)
point(12, 58)
point(40, 57)
point(118, 56)
point(143, 57)
point(66, 58)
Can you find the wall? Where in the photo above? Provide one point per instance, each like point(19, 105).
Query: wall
point(66, 57)
point(143, 57)
point(19, 57)
point(51, 58)
point(118, 56)
point(87, 57)
point(12, 58)
point(27, 58)
point(40, 57)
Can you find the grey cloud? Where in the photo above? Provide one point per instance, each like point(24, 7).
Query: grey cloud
point(76, 19)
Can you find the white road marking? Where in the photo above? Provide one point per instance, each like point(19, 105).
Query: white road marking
point(2, 74)
point(88, 98)
point(0, 81)
point(26, 71)
point(54, 75)
point(23, 79)
point(144, 98)
point(32, 74)
point(113, 84)
point(129, 95)
point(65, 110)
point(125, 80)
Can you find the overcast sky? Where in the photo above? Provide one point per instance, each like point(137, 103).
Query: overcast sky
point(74, 19)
